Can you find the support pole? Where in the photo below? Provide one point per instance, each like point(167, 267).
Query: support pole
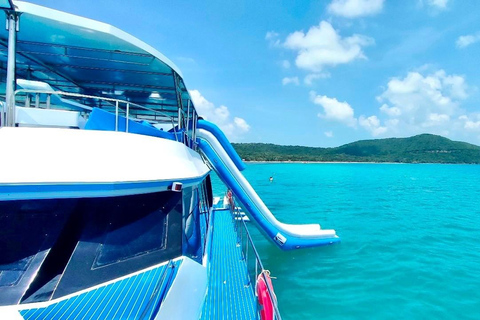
point(8, 119)
point(116, 115)
point(179, 118)
point(127, 114)
point(188, 123)
point(179, 100)
point(194, 133)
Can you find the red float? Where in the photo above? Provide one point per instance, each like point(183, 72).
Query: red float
point(266, 301)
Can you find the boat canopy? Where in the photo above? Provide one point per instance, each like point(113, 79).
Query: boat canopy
point(6, 4)
point(84, 56)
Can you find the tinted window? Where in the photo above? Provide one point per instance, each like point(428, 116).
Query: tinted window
point(124, 241)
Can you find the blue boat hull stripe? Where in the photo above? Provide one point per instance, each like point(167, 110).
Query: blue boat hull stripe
point(83, 190)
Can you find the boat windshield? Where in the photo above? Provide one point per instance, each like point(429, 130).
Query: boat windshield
point(58, 246)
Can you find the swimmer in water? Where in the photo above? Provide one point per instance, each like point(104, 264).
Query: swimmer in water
point(271, 179)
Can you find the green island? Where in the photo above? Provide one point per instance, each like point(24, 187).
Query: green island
point(423, 148)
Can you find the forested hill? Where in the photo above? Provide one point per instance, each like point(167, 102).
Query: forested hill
point(424, 148)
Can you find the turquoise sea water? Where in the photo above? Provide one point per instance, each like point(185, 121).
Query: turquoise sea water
point(410, 239)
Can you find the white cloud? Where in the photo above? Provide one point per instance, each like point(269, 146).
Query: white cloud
point(218, 115)
point(454, 85)
point(334, 110)
point(421, 95)
point(436, 119)
point(439, 4)
point(420, 102)
point(310, 78)
point(390, 111)
point(271, 35)
point(355, 8)
point(286, 64)
point(322, 46)
point(472, 125)
point(293, 80)
point(423, 101)
point(273, 38)
point(372, 124)
point(465, 41)
point(328, 134)
point(471, 122)
point(242, 124)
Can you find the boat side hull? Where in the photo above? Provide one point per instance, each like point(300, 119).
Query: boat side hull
point(43, 163)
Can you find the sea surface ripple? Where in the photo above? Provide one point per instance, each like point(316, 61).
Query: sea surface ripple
point(410, 239)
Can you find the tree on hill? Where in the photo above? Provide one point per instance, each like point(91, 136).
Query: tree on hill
point(424, 148)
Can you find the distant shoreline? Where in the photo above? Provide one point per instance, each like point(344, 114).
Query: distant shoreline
point(424, 148)
point(295, 161)
point(355, 162)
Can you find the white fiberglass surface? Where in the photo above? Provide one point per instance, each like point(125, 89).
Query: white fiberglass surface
point(54, 155)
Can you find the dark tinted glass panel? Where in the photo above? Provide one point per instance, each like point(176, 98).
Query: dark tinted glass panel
point(121, 235)
point(25, 227)
point(49, 248)
point(9, 278)
point(28, 229)
point(135, 239)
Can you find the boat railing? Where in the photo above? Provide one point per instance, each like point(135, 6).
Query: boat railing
point(256, 269)
point(42, 99)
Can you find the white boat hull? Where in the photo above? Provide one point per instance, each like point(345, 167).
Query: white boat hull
point(84, 163)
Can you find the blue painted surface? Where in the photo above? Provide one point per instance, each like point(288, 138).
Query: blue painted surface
point(103, 120)
point(136, 297)
point(227, 296)
point(292, 242)
point(81, 190)
point(213, 129)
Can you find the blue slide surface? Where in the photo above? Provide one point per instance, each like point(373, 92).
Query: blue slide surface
point(285, 236)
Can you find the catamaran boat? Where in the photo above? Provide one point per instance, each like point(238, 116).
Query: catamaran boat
point(106, 206)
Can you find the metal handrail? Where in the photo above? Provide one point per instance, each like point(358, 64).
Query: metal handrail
point(238, 220)
point(79, 95)
point(116, 101)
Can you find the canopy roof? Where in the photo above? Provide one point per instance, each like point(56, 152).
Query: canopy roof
point(80, 55)
point(6, 4)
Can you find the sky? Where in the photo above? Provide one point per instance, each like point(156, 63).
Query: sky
point(316, 73)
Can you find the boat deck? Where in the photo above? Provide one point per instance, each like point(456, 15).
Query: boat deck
point(229, 294)
point(134, 297)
